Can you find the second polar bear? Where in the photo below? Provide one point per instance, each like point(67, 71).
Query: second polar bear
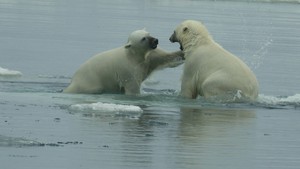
point(210, 70)
point(123, 69)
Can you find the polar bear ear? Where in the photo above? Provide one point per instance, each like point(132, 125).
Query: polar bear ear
point(185, 29)
point(128, 45)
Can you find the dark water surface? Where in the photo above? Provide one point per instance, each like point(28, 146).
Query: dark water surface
point(46, 41)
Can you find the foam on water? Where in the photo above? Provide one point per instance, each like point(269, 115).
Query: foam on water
point(280, 100)
point(6, 141)
point(268, 1)
point(274, 1)
point(9, 73)
point(265, 101)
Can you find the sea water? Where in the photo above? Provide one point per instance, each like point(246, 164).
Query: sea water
point(44, 42)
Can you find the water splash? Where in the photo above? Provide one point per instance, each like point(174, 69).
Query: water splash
point(281, 101)
point(260, 54)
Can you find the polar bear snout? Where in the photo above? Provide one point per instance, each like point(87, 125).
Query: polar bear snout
point(173, 38)
point(153, 42)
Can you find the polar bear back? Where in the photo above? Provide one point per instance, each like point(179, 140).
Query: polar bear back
point(122, 70)
point(218, 68)
point(210, 70)
point(99, 73)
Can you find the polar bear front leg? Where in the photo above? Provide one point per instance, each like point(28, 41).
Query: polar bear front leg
point(132, 88)
point(188, 89)
point(159, 59)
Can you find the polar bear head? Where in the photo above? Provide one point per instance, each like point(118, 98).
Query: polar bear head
point(141, 40)
point(190, 33)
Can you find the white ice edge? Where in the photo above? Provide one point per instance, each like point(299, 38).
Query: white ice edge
point(107, 108)
point(7, 72)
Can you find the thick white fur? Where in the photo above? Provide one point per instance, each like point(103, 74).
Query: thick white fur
point(123, 69)
point(210, 70)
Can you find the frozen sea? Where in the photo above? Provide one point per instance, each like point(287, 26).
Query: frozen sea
point(42, 43)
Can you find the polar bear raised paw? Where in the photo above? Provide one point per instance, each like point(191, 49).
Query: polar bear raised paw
point(123, 69)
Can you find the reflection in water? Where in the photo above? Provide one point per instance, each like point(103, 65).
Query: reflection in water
point(195, 137)
point(212, 121)
point(216, 136)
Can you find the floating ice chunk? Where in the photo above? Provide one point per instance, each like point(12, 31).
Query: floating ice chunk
point(106, 108)
point(7, 72)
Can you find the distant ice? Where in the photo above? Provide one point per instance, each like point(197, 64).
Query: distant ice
point(6, 72)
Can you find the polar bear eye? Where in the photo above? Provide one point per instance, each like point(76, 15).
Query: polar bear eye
point(143, 39)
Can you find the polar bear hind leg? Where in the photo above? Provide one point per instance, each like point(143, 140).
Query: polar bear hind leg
point(219, 86)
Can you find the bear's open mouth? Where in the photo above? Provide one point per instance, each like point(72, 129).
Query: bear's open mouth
point(181, 48)
point(154, 46)
point(153, 43)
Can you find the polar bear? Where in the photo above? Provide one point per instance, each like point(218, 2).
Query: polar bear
point(122, 70)
point(210, 70)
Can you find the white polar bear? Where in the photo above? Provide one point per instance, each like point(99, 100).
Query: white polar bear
point(123, 69)
point(210, 70)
